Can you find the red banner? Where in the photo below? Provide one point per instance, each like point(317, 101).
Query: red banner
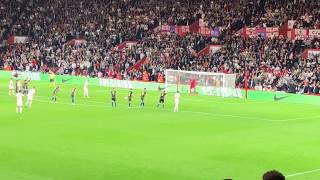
point(17, 39)
point(205, 31)
point(314, 33)
point(193, 28)
point(138, 64)
point(75, 42)
point(311, 53)
point(182, 30)
point(262, 32)
point(300, 34)
point(126, 44)
point(272, 32)
point(209, 50)
point(251, 32)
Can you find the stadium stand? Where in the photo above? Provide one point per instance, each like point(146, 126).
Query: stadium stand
point(138, 40)
point(9, 12)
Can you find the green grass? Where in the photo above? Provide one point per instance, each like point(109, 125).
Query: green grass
point(210, 138)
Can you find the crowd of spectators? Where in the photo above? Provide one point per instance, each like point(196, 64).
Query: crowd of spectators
point(9, 9)
point(271, 13)
point(274, 64)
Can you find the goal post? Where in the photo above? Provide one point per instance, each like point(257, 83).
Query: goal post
point(202, 83)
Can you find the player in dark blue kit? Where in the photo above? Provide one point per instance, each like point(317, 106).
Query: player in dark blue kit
point(73, 96)
point(54, 94)
point(143, 95)
point(130, 97)
point(161, 100)
point(114, 97)
point(25, 87)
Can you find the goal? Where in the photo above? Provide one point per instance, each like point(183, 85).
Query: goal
point(203, 83)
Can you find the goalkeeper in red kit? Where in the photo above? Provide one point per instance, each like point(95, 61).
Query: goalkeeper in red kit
point(192, 85)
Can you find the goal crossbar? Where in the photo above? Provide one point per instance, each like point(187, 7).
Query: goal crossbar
point(205, 83)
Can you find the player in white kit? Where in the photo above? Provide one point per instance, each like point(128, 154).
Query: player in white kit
point(30, 95)
point(11, 87)
point(86, 89)
point(18, 86)
point(176, 101)
point(19, 96)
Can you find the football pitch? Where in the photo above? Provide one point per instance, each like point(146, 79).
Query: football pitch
point(211, 138)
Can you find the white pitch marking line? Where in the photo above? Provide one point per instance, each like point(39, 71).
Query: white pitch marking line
point(201, 100)
point(302, 173)
point(195, 100)
point(194, 112)
point(254, 118)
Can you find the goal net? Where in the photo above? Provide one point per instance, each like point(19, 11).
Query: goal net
point(203, 83)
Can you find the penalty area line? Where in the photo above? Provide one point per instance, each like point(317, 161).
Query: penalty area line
point(254, 118)
point(302, 173)
point(183, 111)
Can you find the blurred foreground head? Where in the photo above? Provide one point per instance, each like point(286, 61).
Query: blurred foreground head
point(273, 175)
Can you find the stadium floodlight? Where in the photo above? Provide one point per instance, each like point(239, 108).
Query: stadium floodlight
point(203, 83)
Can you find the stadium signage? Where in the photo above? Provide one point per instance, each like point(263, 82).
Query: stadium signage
point(17, 39)
point(314, 33)
point(298, 34)
point(224, 92)
point(76, 42)
point(65, 80)
point(209, 50)
point(311, 53)
point(35, 76)
point(303, 34)
point(126, 44)
point(152, 86)
point(194, 28)
point(269, 32)
point(115, 83)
